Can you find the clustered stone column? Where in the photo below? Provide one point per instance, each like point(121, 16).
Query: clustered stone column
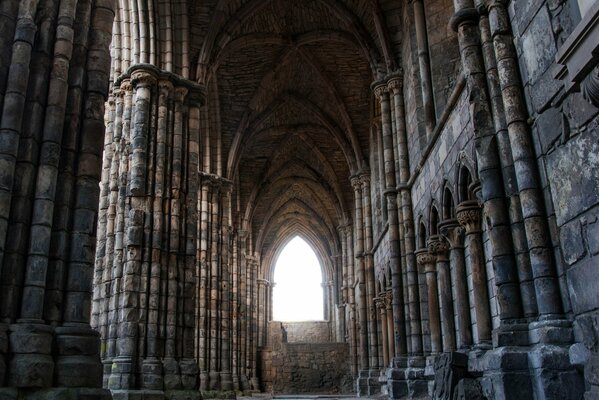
point(469, 216)
point(145, 273)
point(53, 75)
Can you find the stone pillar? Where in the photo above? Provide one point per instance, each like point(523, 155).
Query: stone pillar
point(438, 247)
point(525, 164)
point(434, 318)
point(226, 376)
point(488, 162)
point(469, 216)
point(399, 328)
point(454, 234)
point(369, 270)
point(54, 83)
point(424, 63)
point(388, 301)
point(360, 276)
point(380, 305)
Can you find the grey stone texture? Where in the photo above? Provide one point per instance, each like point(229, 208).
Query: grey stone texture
point(439, 156)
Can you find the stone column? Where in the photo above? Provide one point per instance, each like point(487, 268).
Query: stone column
point(360, 276)
point(527, 289)
point(351, 299)
point(54, 83)
point(388, 300)
point(438, 247)
point(454, 234)
point(424, 63)
point(465, 22)
point(422, 257)
point(434, 318)
point(399, 328)
point(369, 270)
point(525, 164)
point(469, 216)
point(380, 305)
point(226, 377)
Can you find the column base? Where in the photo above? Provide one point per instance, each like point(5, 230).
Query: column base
point(367, 383)
point(121, 374)
point(156, 395)
point(226, 381)
point(31, 364)
point(406, 380)
point(77, 362)
point(3, 351)
point(204, 380)
point(213, 380)
point(172, 374)
point(151, 374)
point(60, 393)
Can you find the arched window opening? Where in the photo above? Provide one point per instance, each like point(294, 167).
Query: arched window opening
point(434, 220)
point(421, 236)
point(448, 208)
point(298, 293)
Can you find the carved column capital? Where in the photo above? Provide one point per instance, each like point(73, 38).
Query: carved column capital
point(395, 84)
point(379, 303)
point(180, 94)
point(356, 183)
point(125, 87)
point(143, 78)
point(388, 297)
point(453, 232)
point(425, 259)
point(381, 91)
point(469, 216)
point(438, 246)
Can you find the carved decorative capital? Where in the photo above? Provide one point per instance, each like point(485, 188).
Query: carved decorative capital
point(395, 85)
point(365, 180)
point(453, 232)
point(438, 246)
point(423, 257)
point(590, 87)
point(180, 93)
point(381, 91)
point(379, 302)
point(143, 78)
point(165, 86)
point(126, 87)
point(388, 297)
point(469, 216)
point(356, 183)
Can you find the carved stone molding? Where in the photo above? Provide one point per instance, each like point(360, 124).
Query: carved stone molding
point(469, 216)
point(453, 232)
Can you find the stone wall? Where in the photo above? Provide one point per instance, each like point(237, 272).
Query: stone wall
point(304, 367)
point(565, 132)
point(308, 331)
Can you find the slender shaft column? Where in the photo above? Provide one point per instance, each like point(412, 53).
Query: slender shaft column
point(399, 327)
point(525, 164)
point(454, 234)
point(388, 298)
point(465, 22)
point(369, 269)
point(527, 289)
point(406, 225)
point(469, 214)
point(361, 306)
point(380, 305)
point(202, 301)
point(226, 378)
point(424, 63)
point(438, 247)
point(423, 257)
point(434, 317)
point(351, 299)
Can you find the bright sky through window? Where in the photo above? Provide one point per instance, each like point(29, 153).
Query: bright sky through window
point(297, 295)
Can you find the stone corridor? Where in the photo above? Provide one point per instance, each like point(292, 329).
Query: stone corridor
point(439, 156)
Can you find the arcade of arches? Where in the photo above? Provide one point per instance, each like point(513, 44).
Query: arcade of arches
point(441, 158)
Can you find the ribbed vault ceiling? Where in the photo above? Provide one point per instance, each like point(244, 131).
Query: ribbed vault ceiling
point(293, 82)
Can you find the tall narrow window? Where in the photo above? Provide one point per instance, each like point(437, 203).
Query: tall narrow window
point(298, 295)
